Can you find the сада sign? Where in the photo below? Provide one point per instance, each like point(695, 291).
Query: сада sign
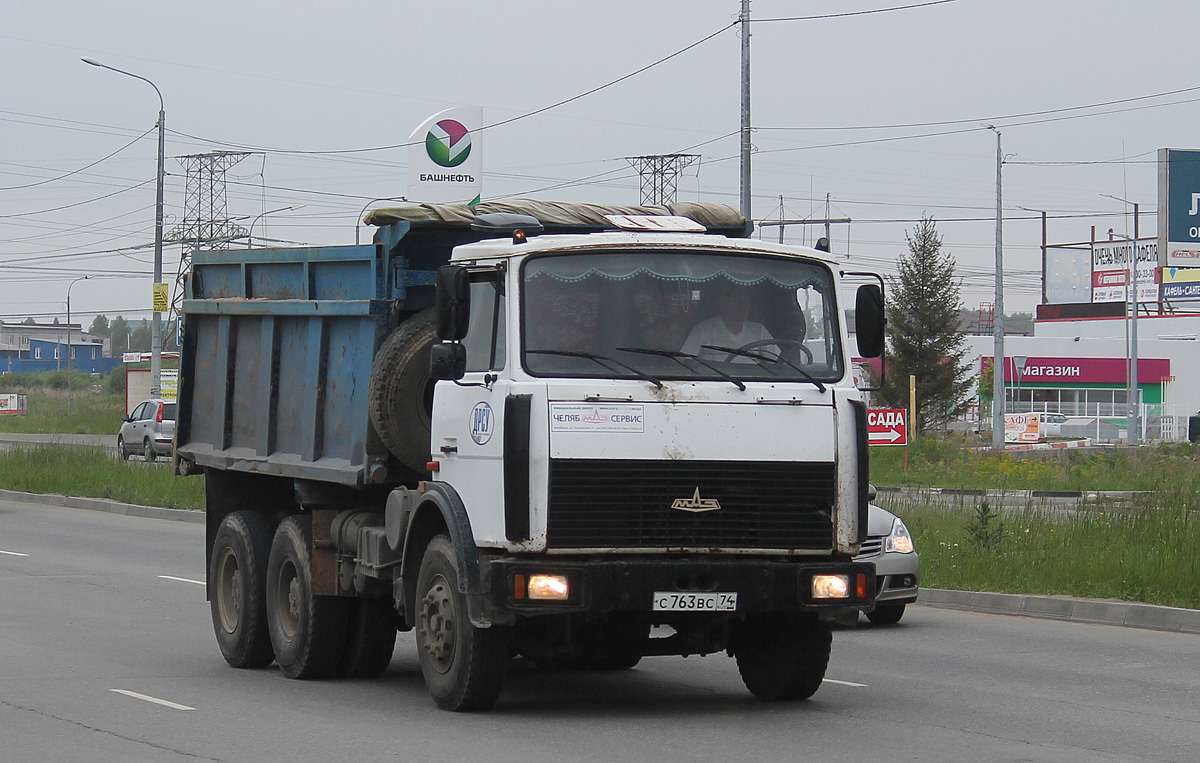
point(887, 426)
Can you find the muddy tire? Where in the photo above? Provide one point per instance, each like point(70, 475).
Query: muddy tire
point(783, 656)
point(307, 632)
point(237, 573)
point(400, 390)
point(886, 614)
point(464, 666)
point(371, 639)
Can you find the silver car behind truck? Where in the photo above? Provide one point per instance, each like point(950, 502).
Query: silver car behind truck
point(148, 431)
point(897, 565)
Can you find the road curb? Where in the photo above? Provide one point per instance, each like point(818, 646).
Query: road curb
point(1066, 608)
point(102, 504)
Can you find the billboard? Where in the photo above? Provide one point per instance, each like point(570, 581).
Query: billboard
point(1179, 284)
point(445, 161)
point(1179, 207)
point(1110, 270)
point(1068, 276)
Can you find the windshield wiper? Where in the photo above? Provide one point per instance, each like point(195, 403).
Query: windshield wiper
point(601, 360)
point(776, 359)
point(675, 356)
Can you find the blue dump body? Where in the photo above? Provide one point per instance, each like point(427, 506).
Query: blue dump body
point(277, 351)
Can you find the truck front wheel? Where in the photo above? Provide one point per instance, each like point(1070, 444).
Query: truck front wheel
point(463, 665)
point(237, 573)
point(783, 656)
point(307, 632)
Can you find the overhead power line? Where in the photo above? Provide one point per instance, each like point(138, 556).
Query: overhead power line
point(81, 169)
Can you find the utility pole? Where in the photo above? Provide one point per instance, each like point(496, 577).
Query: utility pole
point(998, 400)
point(744, 20)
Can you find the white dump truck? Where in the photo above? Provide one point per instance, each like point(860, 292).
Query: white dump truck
point(567, 433)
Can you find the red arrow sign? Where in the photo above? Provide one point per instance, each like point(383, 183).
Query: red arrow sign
point(887, 426)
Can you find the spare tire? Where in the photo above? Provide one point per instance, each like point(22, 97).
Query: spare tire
point(400, 390)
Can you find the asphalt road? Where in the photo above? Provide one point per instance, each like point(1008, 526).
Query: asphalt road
point(103, 619)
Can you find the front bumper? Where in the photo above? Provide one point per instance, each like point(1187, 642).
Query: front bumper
point(897, 578)
point(628, 585)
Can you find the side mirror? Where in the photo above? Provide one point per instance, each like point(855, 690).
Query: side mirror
point(453, 302)
point(448, 360)
point(868, 311)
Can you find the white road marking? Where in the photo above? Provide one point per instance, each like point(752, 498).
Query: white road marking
point(844, 683)
point(181, 580)
point(155, 700)
point(12, 553)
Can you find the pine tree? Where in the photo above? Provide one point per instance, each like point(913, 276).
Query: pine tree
point(924, 336)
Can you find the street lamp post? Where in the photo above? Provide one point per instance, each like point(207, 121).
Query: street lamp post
point(1132, 426)
point(156, 338)
point(363, 211)
point(250, 233)
point(77, 280)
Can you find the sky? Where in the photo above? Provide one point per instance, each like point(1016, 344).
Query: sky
point(884, 113)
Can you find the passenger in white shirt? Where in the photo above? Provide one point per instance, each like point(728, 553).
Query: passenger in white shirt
point(731, 327)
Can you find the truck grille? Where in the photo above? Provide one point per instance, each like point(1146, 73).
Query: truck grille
point(607, 503)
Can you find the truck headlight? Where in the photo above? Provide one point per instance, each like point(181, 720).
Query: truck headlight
point(831, 586)
point(899, 541)
point(549, 587)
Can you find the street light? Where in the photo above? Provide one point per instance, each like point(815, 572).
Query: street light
point(1131, 389)
point(77, 280)
point(363, 211)
point(250, 233)
point(156, 339)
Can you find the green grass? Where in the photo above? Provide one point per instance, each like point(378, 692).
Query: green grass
point(92, 411)
point(1170, 470)
point(1146, 553)
point(92, 473)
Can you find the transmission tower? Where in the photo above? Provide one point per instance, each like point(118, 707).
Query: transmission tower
point(206, 222)
point(659, 175)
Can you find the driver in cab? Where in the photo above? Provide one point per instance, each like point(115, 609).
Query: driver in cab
point(730, 327)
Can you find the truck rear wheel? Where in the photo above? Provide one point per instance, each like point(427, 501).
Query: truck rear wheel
point(307, 631)
point(783, 656)
point(237, 574)
point(463, 665)
point(371, 640)
point(400, 390)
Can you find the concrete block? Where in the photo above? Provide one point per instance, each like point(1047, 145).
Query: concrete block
point(1191, 621)
point(1048, 606)
point(1156, 618)
point(1002, 603)
point(1104, 612)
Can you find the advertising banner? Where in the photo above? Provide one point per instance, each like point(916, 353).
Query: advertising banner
point(1181, 284)
point(1022, 427)
point(13, 405)
point(445, 160)
point(1068, 276)
point(1110, 270)
point(1179, 207)
point(1057, 371)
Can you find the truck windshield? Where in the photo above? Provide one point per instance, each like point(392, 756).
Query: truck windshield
point(673, 314)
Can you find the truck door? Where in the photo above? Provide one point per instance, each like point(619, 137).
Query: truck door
point(468, 415)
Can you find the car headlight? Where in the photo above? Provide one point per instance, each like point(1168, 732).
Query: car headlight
point(899, 541)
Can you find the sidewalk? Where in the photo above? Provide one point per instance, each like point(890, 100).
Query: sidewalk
point(1095, 611)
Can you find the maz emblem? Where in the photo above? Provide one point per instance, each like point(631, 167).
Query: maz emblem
point(696, 503)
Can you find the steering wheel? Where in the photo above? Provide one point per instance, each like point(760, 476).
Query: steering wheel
point(782, 344)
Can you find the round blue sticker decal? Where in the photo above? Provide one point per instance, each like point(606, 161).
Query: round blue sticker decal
point(483, 423)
